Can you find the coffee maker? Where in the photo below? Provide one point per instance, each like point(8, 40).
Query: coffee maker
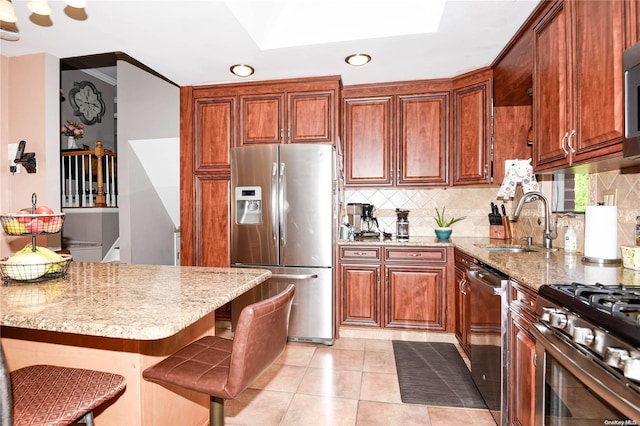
point(362, 221)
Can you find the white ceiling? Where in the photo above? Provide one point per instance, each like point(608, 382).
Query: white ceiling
point(194, 42)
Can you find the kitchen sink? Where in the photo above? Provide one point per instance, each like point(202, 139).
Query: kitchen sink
point(509, 249)
point(514, 248)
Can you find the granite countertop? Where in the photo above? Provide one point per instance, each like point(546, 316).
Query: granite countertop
point(532, 269)
point(141, 302)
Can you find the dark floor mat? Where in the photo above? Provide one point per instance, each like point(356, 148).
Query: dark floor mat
point(434, 374)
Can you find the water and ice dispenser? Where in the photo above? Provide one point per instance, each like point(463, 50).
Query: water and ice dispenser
point(248, 205)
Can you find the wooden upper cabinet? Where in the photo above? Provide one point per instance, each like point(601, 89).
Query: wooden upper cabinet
point(261, 119)
point(578, 86)
point(396, 136)
point(214, 131)
point(472, 130)
point(303, 111)
point(422, 139)
point(368, 141)
point(312, 117)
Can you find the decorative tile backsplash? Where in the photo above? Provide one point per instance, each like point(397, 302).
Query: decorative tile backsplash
point(474, 203)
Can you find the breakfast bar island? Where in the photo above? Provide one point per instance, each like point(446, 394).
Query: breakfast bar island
point(121, 318)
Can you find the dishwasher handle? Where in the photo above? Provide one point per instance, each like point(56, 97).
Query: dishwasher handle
point(479, 276)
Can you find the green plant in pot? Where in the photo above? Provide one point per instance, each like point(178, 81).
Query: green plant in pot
point(443, 231)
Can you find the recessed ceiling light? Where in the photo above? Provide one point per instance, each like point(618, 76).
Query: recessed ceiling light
point(242, 70)
point(358, 59)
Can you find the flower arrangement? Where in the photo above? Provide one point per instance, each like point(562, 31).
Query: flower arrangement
point(443, 222)
point(73, 129)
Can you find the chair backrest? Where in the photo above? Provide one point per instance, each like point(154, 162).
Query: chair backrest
point(6, 403)
point(260, 338)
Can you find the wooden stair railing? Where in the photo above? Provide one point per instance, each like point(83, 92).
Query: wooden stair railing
point(89, 178)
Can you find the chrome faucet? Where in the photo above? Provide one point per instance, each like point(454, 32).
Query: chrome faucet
point(548, 235)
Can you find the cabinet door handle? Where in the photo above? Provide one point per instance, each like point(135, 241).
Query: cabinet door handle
point(562, 144)
point(573, 133)
point(282, 135)
point(415, 254)
point(529, 303)
point(360, 253)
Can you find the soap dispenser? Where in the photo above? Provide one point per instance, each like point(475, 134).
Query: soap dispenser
point(570, 240)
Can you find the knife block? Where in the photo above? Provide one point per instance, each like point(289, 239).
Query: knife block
point(497, 232)
point(501, 232)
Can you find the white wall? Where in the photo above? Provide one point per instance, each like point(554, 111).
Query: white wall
point(148, 109)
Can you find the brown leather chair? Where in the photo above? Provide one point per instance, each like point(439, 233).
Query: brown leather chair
point(53, 396)
point(223, 368)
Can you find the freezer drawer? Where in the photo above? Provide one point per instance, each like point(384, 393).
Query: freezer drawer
point(312, 315)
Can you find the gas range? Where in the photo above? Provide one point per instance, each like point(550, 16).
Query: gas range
point(599, 320)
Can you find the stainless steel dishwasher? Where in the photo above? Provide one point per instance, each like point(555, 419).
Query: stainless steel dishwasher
point(489, 332)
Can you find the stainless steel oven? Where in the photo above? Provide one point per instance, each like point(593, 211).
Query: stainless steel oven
point(587, 356)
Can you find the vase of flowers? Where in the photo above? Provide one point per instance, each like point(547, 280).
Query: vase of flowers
point(72, 131)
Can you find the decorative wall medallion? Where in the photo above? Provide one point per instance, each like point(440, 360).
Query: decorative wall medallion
point(87, 102)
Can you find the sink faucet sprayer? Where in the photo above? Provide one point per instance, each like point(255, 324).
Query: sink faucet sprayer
point(548, 235)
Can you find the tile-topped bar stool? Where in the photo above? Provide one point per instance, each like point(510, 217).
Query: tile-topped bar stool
point(223, 368)
point(54, 396)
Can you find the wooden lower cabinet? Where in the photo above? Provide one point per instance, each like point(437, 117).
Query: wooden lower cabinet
point(360, 294)
point(522, 352)
point(463, 311)
point(414, 297)
point(393, 287)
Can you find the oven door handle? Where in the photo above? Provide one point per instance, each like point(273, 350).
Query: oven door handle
point(587, 369)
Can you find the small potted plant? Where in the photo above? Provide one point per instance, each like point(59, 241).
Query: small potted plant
point(443, 231)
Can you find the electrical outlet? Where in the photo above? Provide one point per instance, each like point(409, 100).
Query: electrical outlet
point(610, 197)
point(12, 149)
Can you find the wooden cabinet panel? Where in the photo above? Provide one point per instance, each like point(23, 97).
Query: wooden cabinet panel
point(212, 219)
point(422, 139)
point(311, 117)
point(415, 297)
point(578, 87)
point(598, 87)
point(511, 125)
point(368, 141)
point(522, 352)
point(523, 380)
point(262, 119)
point(360, 253)
point(463, 311)
point(472, 134)
point(215, 131)
point(360, 295)
point(551, 88)
point(427, 254)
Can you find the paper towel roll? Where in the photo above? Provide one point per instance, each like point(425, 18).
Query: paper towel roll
point(601, 232)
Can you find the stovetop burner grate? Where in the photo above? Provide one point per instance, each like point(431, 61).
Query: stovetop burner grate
point(615, 308)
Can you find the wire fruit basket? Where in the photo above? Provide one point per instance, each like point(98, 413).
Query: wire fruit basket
point(34, 272)
point(29, 224)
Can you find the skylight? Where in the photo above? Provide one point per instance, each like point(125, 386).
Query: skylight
point(274, 24)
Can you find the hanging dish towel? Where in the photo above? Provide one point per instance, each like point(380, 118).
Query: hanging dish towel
point(518, 171)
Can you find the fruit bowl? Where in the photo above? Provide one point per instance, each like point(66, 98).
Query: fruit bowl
point(32, 223)
point(34, 272)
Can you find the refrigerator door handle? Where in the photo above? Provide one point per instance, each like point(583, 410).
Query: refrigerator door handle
point(281, 197)
point(274, 203)
point(295, 276)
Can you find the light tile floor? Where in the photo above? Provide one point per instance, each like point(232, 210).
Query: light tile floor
point(353, 382)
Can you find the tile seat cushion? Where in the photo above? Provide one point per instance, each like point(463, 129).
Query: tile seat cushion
point(52, 395)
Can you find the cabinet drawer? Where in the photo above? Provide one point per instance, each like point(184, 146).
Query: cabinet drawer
point(416, 254)
point(360, 253)
point(522, 299)
point(463, 260)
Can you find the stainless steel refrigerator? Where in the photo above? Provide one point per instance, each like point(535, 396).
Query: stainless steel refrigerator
point(284, 218)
